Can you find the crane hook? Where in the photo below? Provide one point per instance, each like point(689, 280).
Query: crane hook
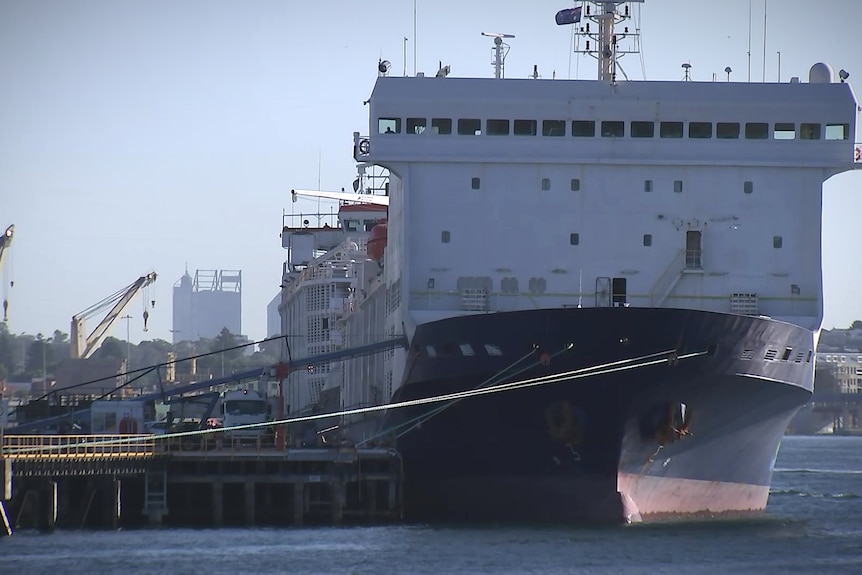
point(146, 317)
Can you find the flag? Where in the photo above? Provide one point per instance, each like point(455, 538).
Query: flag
point(568, 16)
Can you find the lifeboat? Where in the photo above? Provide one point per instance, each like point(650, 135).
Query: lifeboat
point(377, 241)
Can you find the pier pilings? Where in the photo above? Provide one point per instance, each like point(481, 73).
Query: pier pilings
point(217, 487)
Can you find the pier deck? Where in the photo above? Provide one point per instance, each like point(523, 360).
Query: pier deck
point(111, 481)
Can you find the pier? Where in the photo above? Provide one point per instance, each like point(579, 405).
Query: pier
point(75, 481)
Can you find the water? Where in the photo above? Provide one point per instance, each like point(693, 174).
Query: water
point(812, 525)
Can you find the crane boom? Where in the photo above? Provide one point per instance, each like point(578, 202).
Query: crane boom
point(84, 346)
point(5, 243)
point(342, 196)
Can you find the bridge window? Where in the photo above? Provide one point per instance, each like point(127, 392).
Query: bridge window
point(576, 184)
point(415, 125)
point(837, 131)
point(441, 125)
point(643, 129)
point(647, 240)
point(700, 130)
point(613, 129)
point(497, 127)
point(748, 187)
point(546, 184)
point(583, 128)
point(574, 239)
point(756, 131)
point(677, 186)
point(784, 131)
point(670, 129)
point(809, 131)
point(525, 127)
point(553, 128)
point(445, 236)
point(777, 242)
point(647, 185)
point(389, 125)
point(727, 130)
point(469, 127)
point(474, 183)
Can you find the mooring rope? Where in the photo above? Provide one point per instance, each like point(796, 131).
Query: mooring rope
point(416, 421)
point(592, 371)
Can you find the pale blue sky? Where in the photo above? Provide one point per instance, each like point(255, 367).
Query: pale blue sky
point(141, 136)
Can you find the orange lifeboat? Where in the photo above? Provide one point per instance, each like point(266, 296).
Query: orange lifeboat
point(377, 241)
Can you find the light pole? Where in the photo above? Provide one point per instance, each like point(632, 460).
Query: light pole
point(44, 364)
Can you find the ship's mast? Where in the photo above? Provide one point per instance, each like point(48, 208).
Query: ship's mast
point(499, 55)
point(600, 28)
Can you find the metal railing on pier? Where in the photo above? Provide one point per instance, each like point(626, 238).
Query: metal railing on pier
point(81, 447)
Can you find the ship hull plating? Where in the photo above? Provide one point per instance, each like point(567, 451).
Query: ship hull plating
point(615, 414)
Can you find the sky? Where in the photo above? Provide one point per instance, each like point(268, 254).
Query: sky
point(157, 135)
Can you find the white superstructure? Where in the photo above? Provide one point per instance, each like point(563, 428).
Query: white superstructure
point(516, 194)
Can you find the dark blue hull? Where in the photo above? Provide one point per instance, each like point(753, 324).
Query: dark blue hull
point(642, 412)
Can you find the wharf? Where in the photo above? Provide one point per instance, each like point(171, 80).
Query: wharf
point(111, 481)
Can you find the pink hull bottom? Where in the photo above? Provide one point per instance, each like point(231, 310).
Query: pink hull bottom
point(647, 497)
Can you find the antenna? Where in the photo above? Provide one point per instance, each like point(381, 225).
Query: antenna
point(749, 40)
point(599, 23)
point(687, 68)
point(499, 56)
point(383, 67)
point(764, 40)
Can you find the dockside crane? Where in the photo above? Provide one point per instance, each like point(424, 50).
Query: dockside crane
point(5, 244)
point(83, 346)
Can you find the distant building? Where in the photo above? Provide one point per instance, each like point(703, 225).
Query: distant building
point(206, 304)
point(847, 366)
point(273, 318)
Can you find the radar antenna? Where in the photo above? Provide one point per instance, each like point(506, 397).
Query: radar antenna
point(602, 41)
point(499, 56)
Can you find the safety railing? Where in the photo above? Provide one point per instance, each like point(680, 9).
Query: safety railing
point(78, 446)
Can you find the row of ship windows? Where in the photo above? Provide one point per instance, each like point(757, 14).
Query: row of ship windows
point(575, 185)
point(575, 240)
point(617, 129)
point(467, 350)
point(841, 359)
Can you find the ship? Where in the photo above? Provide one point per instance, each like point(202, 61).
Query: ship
point(606, 293)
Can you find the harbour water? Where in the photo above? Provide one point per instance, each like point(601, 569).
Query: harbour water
point(811, 525)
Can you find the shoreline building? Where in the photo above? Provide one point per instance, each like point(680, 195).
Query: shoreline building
point(205, 304)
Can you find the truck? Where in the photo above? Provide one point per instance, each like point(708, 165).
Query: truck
point(245, 407)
